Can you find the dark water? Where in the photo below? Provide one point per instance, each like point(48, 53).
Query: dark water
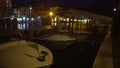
point(80, 54)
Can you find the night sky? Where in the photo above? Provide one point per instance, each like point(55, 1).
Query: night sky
point(99, 6)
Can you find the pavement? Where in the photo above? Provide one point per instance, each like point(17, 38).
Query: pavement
point(104, 57)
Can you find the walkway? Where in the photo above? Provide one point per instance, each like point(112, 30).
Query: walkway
point(104, 56)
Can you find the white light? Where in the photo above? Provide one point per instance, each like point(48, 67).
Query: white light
point(12, 18)
point(71, 19)
point(67, 24)
point(68, 19)
point(64, 19)
point(51, 13)
point(55, 24)
point(32, 19)
point(30, 8)
point(23, 18)
point(85, 20)
point(19, 19)
point(75, 20)
point(55, 19)
point(114, 9)
point(27, 19)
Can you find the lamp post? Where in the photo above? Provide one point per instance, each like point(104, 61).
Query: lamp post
point(30, 29)
point(51, 14)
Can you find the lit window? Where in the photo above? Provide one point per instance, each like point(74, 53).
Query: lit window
point(68, 19)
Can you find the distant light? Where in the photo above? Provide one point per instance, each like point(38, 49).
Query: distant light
point(75, 20)
point(23, 18)
point(19, 19)
point(27, 18)
point(55, 19)
point(51, 13)
point(68, 19)
point(71, 19)
point(67, 24)
point(30, 8)
point(32, 19)
point(55, 24)
point(79, 20)
point(61, 18)
point(38, 17)
point(64, 19)
point(115, 9)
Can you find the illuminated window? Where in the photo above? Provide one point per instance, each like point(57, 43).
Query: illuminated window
point(68, 19)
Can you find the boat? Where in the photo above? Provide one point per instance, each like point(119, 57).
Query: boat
point(24, 54)
point(56, 41)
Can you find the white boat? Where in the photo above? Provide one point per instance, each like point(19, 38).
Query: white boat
point(24, 54)
point(56, 41)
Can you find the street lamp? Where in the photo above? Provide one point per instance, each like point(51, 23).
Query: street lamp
point(51, 13)
point(30, 9)
point(115, 9)
point(30, 29)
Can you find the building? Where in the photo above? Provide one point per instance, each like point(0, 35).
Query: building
point(77, 20)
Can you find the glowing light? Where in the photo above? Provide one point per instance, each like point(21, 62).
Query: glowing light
point(27, 18)
point(23, 18)
point(64, 19)
point(19, 19)
point(51, 13)
point(67, 24)
point(55, 24)
point(61, 18)
point(30, 8)
point(68, 19)
point(79, 20)
point(71, 19)
point(115, 9)
point(32, 19)
point(55, 19)
point(38, 17)
point(75, 20)
point(85, 20)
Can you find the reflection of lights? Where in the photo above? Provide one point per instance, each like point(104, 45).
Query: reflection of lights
point(88, 20)
point(18, 15)
point(71, 19)
point(55, 24)
point(52, 19)
point(12, 17)
point(52, 23)
point(67, 24)
point(55, 19)
point(21, 26)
